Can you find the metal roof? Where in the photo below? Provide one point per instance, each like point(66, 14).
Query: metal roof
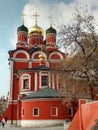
point(43, 93)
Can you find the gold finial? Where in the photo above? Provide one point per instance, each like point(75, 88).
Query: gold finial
point(41, 56)
point(23, 15)
point(51, 19)
point(36, 16)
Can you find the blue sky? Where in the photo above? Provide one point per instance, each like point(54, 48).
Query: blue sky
point(10, 20)
point(10, 17)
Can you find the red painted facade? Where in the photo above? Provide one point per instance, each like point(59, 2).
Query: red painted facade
point(45, 109)
point(30, 74)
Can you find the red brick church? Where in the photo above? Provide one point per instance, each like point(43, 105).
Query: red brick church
point(33, 98)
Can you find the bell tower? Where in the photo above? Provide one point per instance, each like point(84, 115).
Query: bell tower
point(51, 35)
point(22, 35)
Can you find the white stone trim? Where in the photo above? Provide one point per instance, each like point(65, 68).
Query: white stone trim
point(11, 79)
point(47, 64)
point(26, 92)
point(15, 123)
point(21, 51)
point(33, 112)
point(38, 52)
point(43, 73)
point(57, 82)
point(53, 83)
point(26, 76)
point(53, 53)
point(40, 123)
point(49, 78)
point(12, 101)
point(36, 82)
point(22, 42)
point(20, 59)
point(29, 64)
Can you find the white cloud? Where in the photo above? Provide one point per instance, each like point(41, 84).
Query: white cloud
point(61, 11)
point(55, 9)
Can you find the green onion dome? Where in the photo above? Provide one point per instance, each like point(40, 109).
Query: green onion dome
point(22, 28)
point(50, 30)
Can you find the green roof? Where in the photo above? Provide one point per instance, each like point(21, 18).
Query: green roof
point(22, 28)
point(50, 30)
point(43, 93)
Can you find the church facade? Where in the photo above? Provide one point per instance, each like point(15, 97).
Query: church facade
point(33, 98)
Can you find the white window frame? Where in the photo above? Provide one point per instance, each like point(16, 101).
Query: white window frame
point(44, 74)
point(24, 77)
point(56, 108)
point(33, 111)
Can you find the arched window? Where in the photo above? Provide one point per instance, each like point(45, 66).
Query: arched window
point(70, 111)
point(26, 81)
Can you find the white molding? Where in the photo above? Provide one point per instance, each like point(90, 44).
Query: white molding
point(21, 51)
point(43, 73)
point(11, 79)
point(38, 52)
point(36, 82)
point(57, 82)
point(53, 82)
point(49, 79)
point(25, 92)
point(29, 64)
point(33, 112)
point(53, 53)
point(12, 102)
point(26, 76)
point(47, 64)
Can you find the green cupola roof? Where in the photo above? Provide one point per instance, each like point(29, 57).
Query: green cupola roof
point(50, 30)
point(22, 28)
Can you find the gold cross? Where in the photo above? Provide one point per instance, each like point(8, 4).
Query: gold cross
point(36, 16)
point(23, 15)
point(51, 20)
